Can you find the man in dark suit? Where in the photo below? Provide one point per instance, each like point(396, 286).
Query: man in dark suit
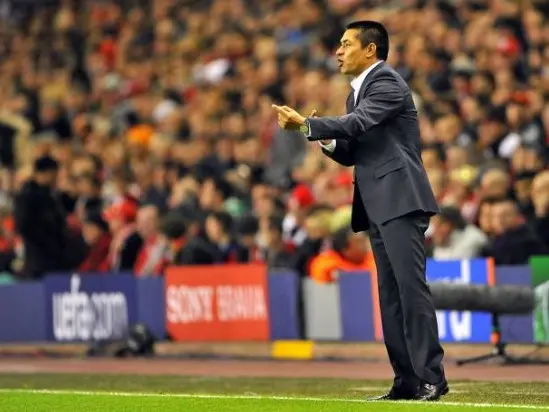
point(40, 222)
point(379, 136)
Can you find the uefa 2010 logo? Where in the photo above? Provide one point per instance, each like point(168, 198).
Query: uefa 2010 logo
point(78, 315)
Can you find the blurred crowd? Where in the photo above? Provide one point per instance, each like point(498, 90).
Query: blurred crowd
point(139, 134)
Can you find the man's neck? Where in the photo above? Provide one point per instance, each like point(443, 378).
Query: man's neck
point(224, 241)
point(366, 68)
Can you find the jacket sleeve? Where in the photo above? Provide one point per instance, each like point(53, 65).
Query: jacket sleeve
point(341, 154)
point(27, 222)
point(384, 98)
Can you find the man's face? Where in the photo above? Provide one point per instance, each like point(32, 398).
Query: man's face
point(455, 157)
point(431, 159)
point(91, 233)
point(248, 240)
point(48, 178)
point(540, 193)
point(209, 197)
point(214, 231)
point(441, 230)
point(264, 206)
point(485, 218)
point(147, 221)
point(352, 58)
point(481, 85)
point(115, 225)
point(48, 113)
point(85, 186)
point(272, 237)
point(505, 217)
point(523, 189)
point(447, 128)
point(356, 249)
point(437, 181)
point(494, 184)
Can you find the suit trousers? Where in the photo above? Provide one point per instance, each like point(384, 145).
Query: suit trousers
point(407, 310)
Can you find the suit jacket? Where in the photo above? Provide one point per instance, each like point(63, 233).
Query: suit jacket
point(40, 221)
point(379, 135)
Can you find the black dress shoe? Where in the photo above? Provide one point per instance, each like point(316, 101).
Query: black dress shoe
point(394, 395)
point(429, 392)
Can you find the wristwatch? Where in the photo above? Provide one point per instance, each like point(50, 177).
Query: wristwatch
point(305, 129)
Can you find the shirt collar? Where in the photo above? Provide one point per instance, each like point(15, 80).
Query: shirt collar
point(357, 81)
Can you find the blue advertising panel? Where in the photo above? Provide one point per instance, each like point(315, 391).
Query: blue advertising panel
point(151, 306)
point(456, 326)
point(22, 317)
point(357, 312)
point(516, 329)
point(284, 306)
point(89, 307)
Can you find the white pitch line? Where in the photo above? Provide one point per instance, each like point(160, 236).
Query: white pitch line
point(260, 397)
point(369, 389)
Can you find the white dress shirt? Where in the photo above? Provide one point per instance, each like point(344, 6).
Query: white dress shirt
point(356, 84)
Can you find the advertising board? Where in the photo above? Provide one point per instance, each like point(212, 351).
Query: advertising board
point(217, 303)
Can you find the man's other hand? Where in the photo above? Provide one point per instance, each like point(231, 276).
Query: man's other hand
point(323, 141)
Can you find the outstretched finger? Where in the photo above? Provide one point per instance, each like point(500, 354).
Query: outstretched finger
point(287, 109)
point(313, 113)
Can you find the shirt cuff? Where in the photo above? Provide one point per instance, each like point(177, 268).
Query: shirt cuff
point(310, 132)
point(329, 147)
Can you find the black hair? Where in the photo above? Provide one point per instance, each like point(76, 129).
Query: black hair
point(173, 226)
point(340, 239)
point(94, 180)
point(525, 175)
point(97, 162)
point(275, 223)
point(491, 200)
point(45, 164)
point(437, 148)
point(96, 219)
point(489, 76)
point(453, 216)
point(247, 225)
point(224, 219)
point(223, 187)
point(505, 199)
point(372, 32)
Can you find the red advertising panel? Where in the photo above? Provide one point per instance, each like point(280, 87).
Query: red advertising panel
point(217, 303)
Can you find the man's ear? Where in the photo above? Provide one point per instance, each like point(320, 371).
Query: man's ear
point(371, 50)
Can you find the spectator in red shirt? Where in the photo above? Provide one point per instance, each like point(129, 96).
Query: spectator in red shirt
point(153, 255)
point(96, 235)
point(126, 242)
point(7, 244)
point(300, 201)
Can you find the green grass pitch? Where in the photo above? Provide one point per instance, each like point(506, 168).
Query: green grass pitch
point(117, 393)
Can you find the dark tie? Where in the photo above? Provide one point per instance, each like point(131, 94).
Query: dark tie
point(350, 105)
